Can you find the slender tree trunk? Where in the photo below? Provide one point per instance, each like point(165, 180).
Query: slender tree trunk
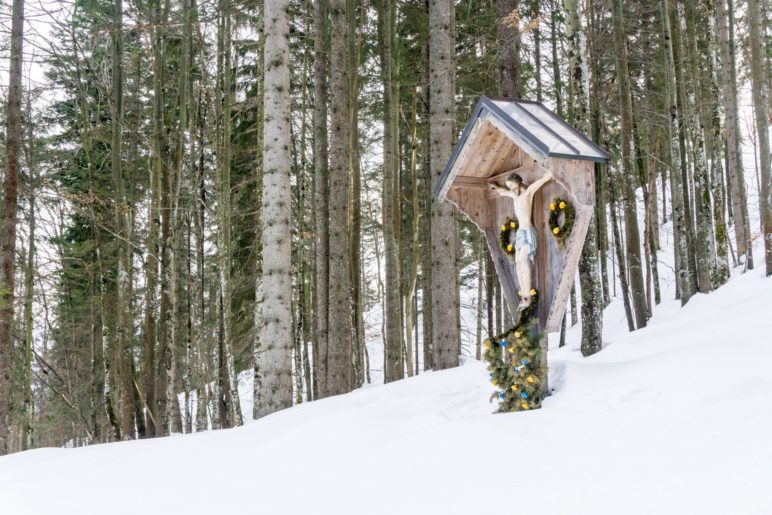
point(555, 8)
point(8, 221)
point(121, 209)
point(705, 244)
point(27, 432)
point(446, 345)
point(620, 253)
point(321, 201)
point(684, 280)
point(412, 367)
point(225, 250)
point(632, 235)
point(760, 109)
point(735, 175)
point(393, 369)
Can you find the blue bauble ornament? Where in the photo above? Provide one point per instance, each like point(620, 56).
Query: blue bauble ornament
point(501, 395)
point(523, 361)
point(523, 395)
point(503, 343)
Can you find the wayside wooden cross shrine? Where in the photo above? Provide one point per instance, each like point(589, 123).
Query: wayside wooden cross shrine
point(517, 158)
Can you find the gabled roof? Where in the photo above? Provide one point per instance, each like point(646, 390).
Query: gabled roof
point(537, 131)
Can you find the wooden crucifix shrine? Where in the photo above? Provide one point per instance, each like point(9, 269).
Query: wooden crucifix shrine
point(517, 155)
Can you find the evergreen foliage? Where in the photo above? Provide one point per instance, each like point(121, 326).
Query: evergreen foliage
point(514, 362)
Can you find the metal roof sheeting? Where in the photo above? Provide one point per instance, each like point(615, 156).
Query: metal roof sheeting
point(560, 138)
point(537, 130)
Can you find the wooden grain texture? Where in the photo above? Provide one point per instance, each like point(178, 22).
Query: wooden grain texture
point(490, 155)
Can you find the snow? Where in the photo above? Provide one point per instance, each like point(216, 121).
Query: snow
point(674, 418)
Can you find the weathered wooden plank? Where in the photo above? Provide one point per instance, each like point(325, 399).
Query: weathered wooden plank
point(463, 181)
point(459, 162)
point(504, 270)
point(573, 252)
point(497, 153)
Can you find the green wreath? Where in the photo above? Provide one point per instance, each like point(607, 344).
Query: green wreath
point(514, 363)
point(505, 241)
point(561, 232)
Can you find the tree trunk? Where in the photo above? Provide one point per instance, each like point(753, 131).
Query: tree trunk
point(412, 365)
point(760, 108)
point(340, 333)
point(27, 432)
point(589, 275)
point(8, 221)
point(275, 365)
point(121, 210)
point(684, 280)
point(393, 368)
point(357, 303)
point(735, 174)
point(446, 339)
point(705, 244)
point(632, 235)
point(508, 47)
point(321, 201)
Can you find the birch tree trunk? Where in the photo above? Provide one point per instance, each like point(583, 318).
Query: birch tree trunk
point(705, 244)
point(680, 226)
point(275, 355)
point(716, 145)
point(760, 109)
point(739, 199)
point(8, 220)
point(445, 309)
point(589, 275)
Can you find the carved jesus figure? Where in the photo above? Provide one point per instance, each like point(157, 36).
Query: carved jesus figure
point(525, 237)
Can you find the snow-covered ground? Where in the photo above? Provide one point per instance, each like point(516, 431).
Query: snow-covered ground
point(675, 418)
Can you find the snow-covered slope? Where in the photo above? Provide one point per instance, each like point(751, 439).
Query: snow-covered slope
point(675, 418)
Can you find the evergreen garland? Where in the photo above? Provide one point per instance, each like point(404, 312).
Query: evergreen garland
point(514, 359)
point(561, 232)
point(505, 240)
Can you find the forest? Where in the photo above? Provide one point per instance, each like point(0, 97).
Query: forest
point(200, 193)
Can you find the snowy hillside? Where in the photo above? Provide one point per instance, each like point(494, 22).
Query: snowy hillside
point(674, 418)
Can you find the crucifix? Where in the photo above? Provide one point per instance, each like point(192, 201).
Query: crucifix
point(525, 236)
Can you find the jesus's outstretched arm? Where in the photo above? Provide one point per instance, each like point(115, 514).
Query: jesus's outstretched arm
point(533, 188)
